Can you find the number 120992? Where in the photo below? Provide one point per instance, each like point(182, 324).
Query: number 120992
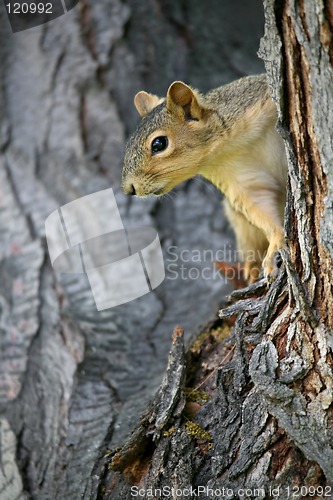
point(29, 8)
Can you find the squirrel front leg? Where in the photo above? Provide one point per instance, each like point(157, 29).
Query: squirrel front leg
point(252, 244)
point(276, 243)
point(261, 208)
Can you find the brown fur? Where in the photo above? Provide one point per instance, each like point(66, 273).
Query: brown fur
point(229, 137)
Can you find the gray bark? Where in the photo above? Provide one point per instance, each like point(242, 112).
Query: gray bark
point(74, 382)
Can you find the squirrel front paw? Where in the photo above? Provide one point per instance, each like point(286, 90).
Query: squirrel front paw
point(269, 264)
point(271, 269)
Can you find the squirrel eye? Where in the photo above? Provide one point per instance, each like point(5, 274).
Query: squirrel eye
point(159, 144)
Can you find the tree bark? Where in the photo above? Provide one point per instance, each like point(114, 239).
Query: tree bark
point(74, 382)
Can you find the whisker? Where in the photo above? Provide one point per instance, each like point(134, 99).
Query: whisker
point(170, 195)
point(157, 175)
point(178, 169)
point(207, 184)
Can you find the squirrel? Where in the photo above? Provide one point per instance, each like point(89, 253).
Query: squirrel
point(228, 136)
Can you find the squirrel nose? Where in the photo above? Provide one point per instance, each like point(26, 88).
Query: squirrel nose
point(131, 190)
point(128, 188)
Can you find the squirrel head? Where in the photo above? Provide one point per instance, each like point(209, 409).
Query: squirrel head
point(169, 143)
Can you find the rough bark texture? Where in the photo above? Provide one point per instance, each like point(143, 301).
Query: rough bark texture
point(268, 421)
point(249, 403)
point(74, 382)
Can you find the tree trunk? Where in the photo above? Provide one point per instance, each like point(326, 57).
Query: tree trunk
point(74, 381)
point(261, 424)
point(248, 406)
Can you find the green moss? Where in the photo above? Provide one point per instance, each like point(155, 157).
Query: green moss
point(218, 334)
point(197, 345)
point(197, 432)
point(102, 489)
point(169, 431)
point(195, 396)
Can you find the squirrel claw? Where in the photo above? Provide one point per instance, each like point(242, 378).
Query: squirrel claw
point(271, 269)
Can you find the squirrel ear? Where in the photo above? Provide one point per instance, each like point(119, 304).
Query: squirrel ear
point(181, 99)
point(145, 102)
